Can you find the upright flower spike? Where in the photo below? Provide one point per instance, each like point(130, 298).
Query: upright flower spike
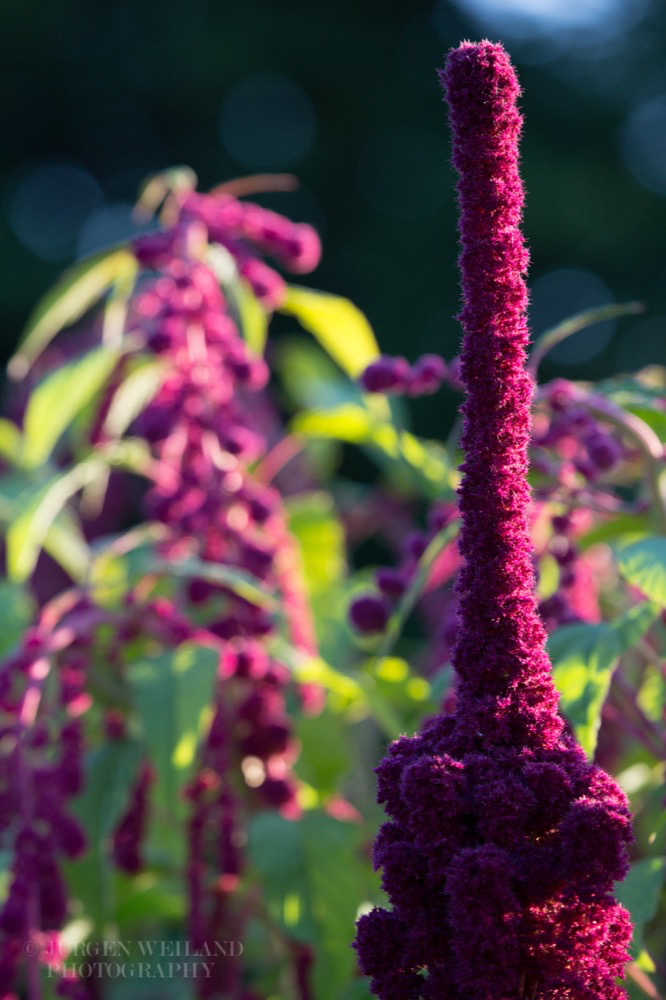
point(503, 842)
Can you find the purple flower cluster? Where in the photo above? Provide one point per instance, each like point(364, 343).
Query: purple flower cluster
point(205, 431)
point(369, 612)
point(204, 427)
point(397, 376)
point(504, 842)
point(42, 770)
point(574, 438)
point(246, 230)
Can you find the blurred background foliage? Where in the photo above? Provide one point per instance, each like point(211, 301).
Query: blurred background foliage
point(345, 95)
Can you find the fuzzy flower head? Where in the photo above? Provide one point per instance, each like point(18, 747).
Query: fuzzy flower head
point(504, 842)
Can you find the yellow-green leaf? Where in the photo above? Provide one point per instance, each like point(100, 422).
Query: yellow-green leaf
point(341, 328)
point(584, 657)
point(643, 565)
point(10, 441)
point(78, 289)
point(57, 400)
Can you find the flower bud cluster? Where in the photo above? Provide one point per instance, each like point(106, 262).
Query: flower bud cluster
point(42, 770)
point(370, 611)
point(246, 230)
point(398, 377)
point(503, 843)
point(574, 437)
point(204, 427)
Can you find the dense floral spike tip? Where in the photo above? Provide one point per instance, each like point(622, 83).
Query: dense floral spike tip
point(504, 842)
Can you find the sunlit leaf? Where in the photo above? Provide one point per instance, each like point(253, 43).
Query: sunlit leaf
point(399, 451)
point(325, 751)
point(110, 773)
point(28, 530)
point(156, 188)
point(398, 698)
point(253, 317)
point(643, 564)
point(75, 293)
point(237, 580)
point(312, 883)
point(38, 509)
point(349, 422)
point(314, 670)
point(624, 527)
point(651, 697)
point(10, 441)
point(321, 537)
point(174, 695)
point(133, 395)
point(584, 657)
point(634, 623)
point(57, 400)
point(654, 418)
point(341, 328)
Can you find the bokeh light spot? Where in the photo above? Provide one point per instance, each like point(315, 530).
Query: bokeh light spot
point(643, 141)
point(578, 23)
point(109, 225)
point(267, 122)
point(561, 294)
point(49, 205)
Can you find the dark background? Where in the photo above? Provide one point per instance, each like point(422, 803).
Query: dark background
point(344, 93)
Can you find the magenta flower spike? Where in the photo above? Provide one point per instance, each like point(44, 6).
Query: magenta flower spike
point(504, 842)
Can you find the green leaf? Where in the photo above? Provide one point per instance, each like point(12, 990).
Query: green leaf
point(656, 419)
point(239, 581)
point(312, 882)
point(158, 186)
point(584, 657)
point(10, 441)
point(66, 543)
point(350, 422)
point(253, 317)
point(29, 530)
point(643, 564)
point(78, 290)
point(634, 623)
point(133, 395)
point(110, 773)
point(337, 879)
point(16, 610)
point(276, 853)
point(174, 695)
point(400, 452)
point(311, 377)
point(639, 893)
point(57, 400)
point(625, 526)
point(651, 697)
point(325, 753)
point(321, 539)
point(341, 328)
point(314, 670)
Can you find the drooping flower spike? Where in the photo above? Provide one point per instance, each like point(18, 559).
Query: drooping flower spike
point(503, 842)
